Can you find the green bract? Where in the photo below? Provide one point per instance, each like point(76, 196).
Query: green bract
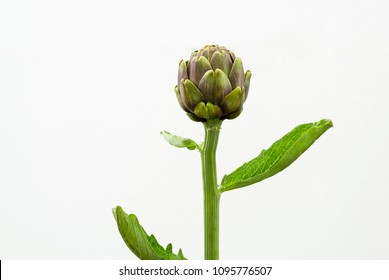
point(212, 84)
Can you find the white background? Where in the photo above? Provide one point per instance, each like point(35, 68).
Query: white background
point(86, 87)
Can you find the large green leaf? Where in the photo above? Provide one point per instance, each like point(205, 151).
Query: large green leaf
point(275, 159)
point(179, 142)
point(144, 246)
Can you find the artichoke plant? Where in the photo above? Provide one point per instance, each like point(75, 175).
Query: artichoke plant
point(212, 84)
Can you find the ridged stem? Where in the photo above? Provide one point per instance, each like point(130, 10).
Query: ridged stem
point(210, 188)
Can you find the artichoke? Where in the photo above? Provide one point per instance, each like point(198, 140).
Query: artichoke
point(212, 84)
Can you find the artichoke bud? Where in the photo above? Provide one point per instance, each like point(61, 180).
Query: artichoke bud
point(212, 84)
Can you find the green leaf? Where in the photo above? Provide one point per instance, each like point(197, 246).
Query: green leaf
point(144, 246)
point(179, 142)
point(275, 159)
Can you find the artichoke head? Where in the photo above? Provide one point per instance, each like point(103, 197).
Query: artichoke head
point(212, 84)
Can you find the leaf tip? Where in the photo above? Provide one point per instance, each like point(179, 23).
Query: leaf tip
point(116, 210)
point(325, 122)
point(169, 248)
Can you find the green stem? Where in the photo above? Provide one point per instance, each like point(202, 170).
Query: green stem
point(211, 192)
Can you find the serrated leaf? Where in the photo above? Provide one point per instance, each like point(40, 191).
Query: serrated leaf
point(179, 142)
point(144, 246)
point(275, 159)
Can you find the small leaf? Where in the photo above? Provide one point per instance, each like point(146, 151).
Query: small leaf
point(179, 142)
point(145, 247)
point(275, 159)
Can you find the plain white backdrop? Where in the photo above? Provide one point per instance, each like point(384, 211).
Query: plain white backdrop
point(86, 87)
